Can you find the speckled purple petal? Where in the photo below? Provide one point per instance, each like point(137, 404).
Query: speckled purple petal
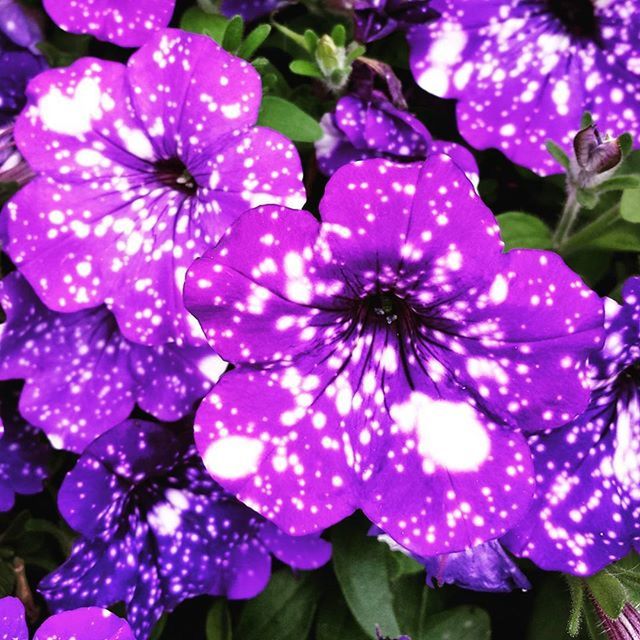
point(88, 623)
point(586, 513)
point(250, 9)
point(125, 23)
point(135, 183)
point(82, 376)
point(524, 74)
point(156, 529)
point(13, 625)
point(374, 349)
point(302, 552)
point(24, 456)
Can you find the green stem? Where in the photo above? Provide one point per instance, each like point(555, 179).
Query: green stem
point(567, 219)
point(591, 231)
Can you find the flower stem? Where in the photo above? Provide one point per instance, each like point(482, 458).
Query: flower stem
point(567, 220)
point(591, 231)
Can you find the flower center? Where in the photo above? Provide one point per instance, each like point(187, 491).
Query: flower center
point(174, 174)
point(385, 306)
point(577, 16)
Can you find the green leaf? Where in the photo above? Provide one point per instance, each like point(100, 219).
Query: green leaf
point(620, 183)
point(618, 236)
point(362, 569)
point(626, 143)
point(630, 205)
point(334, 620)
point(627, 571)
point(522, 230)
point(402, 564)
point(558, 154)
point(550, 610)
point(608, 592)
point(287, 118)
point(587, 198)
point(339, 35)
point(414, 605)
point(461, 623)
point(593, 625)
point(156, 634)
point(586, 120)
point(284, 610)
point(354, 53)
point(195, 20)
point(233, 34)
point(38, 525)
point(576, 590)
point(311, 38)
point(254, 41)
point(218, 625)
point(7, 578)
point(305, 68)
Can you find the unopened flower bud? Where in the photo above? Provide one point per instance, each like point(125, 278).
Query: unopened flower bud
point(330, 58)
point(594, 153)
point(625, 627)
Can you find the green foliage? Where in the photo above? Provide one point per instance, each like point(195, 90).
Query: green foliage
point(558, 154)
point(284, 610)
point(630, 205)
point(218, 625)
point(523, 230)
point(334, 619)
point(461, 623)
point(288, 119)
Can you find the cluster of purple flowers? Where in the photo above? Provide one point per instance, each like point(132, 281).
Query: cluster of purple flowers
point(386, 356)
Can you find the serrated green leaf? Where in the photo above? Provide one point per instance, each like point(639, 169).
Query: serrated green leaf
point(558, 154)
point(218, 625)
point(196, 20)
point(522, 230)
point(284, 610)
point(361, 566)
point(233, 34)
point(287, 118)
point(461, 623)
point(254, 41)
point(305, 68)
point(619, 183)
point(608, 592)
point(334, 620)
point(630, 205)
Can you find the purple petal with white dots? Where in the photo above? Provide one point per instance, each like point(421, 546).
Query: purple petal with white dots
point(156, 529)
point(587, 507)
point(24, 456)
point(125, 23)
point(141, 168)
point(525, 71)
point(250, 9)
point(82, 376)
point(369, 362)
point(13, 625)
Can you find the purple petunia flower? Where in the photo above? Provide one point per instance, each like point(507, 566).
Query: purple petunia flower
point(373, 127)
point(376, 19)
point(123, 22)
point(89, 623)
point(485, 567)
point(21, 25)
point(524, 71)
point(156, 529)
point(84, 377)
point(24, 455)
point(587, 510)
point(141, 168)
point(250, 9)
point(385, 356)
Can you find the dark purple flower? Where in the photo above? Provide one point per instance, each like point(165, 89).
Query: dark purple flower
point(250, 9)
point(587, 511)
point(82, 376)
point(483, 568)
point(128, 23)
point(155, 529)
point(90, 623)
point(372, 127)
point(141, 168)
point(24, 455)
point(376, 19)
point(625, 627)
point(385, 356)
point(16, 69)
point(21, 25)
point(525, 71)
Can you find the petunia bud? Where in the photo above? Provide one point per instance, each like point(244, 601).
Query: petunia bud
point(13, 167)
point(595, 154)
point(625, 627)
point(329, 56)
